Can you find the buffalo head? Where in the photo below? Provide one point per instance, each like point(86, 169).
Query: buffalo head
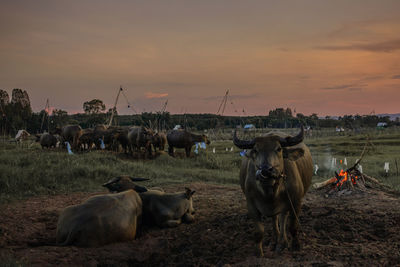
point(123, 183)
point(268, 153)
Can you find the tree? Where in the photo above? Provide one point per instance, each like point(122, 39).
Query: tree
point(94, 106)
point(59, 118)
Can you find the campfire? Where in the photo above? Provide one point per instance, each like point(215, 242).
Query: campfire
point(346, 182)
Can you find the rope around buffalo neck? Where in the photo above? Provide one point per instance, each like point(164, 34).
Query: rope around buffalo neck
point(291, 203)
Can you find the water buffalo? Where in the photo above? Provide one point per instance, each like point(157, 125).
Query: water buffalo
point(100, 127)
point(184, 139)
point(274, 176)
point(140, 137)
point(86, 140)
point(159, 208)
point(121, 138)
point(100, 220)
point(71, 134)
point(167, 209)
point(48, 140)
point(159, 141)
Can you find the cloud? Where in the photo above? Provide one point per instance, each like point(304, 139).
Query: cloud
point(339, 87)
point(396, 77)
point(386, 46)
point(151, 95)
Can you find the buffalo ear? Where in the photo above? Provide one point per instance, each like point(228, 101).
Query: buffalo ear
point(189, 193)
point(292, 153)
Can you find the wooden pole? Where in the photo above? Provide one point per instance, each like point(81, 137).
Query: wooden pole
point(397, 169)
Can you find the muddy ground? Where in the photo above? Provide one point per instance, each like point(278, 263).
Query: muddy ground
point(361, 229)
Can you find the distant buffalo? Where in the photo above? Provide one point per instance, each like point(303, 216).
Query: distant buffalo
point(184, 139)
point(71, 134)
point(159, 141)
point(140, 137)
point(47, 140)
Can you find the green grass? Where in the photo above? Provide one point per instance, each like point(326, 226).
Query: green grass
point(28, 170)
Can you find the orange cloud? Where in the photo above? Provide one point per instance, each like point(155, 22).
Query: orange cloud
point(151, 95)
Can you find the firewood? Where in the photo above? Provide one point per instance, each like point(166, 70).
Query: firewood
point(371, 179)
point(324, 183)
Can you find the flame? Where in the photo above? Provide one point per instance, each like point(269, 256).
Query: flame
point(343, 176)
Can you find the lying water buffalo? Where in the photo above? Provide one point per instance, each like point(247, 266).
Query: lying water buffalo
point(274, 176)
point(71, 134)
point(140, 137)
point(159, 141)
point(167, 209)
point(184, 139)
point(47, 140)
point(101, 220)
point(159, 208)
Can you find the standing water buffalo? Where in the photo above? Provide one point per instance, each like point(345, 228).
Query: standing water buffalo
point(71, 134)
point(159, 141)
point(274, 176)
point(101, 220)
point(47, 140)
point(140, 137)
point(184, 139)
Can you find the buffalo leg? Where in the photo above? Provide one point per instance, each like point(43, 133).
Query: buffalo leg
point(275, 233)
point(282, 239)
point(294, 228)
point(187, 149)
point(255, 215)
point(171, 150)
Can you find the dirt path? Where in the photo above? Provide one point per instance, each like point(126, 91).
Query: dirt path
point(362, 229)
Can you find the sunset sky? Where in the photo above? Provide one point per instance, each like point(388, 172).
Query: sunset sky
point(326, 57)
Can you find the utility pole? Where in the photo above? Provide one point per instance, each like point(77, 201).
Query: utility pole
point(115, 106)
point(223, 103)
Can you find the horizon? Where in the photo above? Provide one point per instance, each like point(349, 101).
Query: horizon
point(330, 58)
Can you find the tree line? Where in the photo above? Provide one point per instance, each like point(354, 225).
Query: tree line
point(17, 114)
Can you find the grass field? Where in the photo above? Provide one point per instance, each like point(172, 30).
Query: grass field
point(28, 170)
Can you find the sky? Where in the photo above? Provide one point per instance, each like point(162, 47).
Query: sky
point(330, 57)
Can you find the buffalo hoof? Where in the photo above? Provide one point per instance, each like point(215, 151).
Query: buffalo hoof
point(259, 252)
point(295, 245)
point(280, 247)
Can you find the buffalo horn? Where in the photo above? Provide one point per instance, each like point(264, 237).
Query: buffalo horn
point(293, 140)
point(134, 179)
point(243, 144)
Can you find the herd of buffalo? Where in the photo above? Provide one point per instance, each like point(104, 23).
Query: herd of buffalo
point(129, 139)
point(275, 174)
